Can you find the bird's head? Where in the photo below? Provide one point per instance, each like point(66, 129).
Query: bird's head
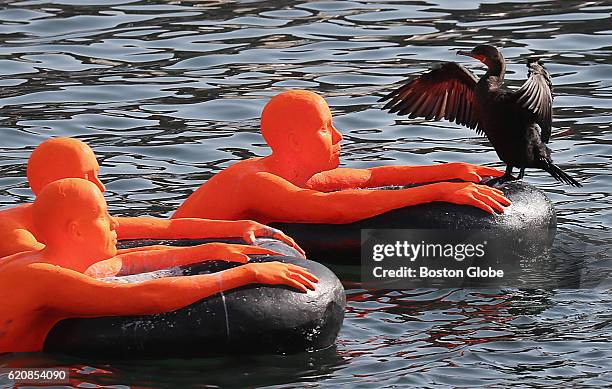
point(486, 54)
point(490, 56)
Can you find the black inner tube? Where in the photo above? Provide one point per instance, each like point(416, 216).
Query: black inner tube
point(250, 319)
point(531, 215)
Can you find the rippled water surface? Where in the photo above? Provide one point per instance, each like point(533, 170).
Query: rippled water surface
point(169, 93)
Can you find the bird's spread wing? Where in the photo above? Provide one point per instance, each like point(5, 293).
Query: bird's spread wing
point(536, 96)
point(447, 91)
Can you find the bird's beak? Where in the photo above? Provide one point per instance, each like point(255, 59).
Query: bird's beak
point(468, 53)
point(477, 57)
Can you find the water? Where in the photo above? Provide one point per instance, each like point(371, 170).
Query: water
point(169, 93)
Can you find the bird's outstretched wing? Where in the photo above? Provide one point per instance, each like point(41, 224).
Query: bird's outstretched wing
point(446, 91)
point(536, 96)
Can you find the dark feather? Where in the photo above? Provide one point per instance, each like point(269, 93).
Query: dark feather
point(536, 96)
point(447, 91)
point(558, 174)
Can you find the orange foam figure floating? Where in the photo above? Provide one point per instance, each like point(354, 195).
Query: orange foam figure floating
point(59, 158)
point(72, 220)
point(300, 182)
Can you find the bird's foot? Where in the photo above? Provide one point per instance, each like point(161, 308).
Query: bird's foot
point(499, 181)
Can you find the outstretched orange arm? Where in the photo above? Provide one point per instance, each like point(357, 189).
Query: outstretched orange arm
point(278, 200)
point(192, 228)
point(154, 258)
point(84, 296)
point(346, 178)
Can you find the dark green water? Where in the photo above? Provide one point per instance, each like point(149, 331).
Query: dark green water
point(169, 93)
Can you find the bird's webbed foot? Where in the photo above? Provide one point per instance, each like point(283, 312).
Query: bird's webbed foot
point(499, 181)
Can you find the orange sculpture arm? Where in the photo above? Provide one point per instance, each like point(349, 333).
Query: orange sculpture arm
point(346, 178)
point(192, 228)
point(84, 296)
point(143, 260)
point(143, 248)
point(277, 200)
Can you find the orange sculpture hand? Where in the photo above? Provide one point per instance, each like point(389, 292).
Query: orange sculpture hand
point(251, 230)
point(277, 273)
point(468, 172)
point(230, 252)
point(465, 193)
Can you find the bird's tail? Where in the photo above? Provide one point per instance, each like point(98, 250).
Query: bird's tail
point(558, 174)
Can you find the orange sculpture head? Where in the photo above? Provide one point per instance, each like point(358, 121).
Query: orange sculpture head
point(298, 124)
point(71, 215)
point(58, 158)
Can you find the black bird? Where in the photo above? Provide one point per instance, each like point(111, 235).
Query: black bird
point(516, 123)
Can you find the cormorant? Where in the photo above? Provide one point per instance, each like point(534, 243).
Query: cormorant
point(517, 123)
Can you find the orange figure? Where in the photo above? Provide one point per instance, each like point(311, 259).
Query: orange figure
point(40, 288)
point(59, 158)
point(301, 182)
